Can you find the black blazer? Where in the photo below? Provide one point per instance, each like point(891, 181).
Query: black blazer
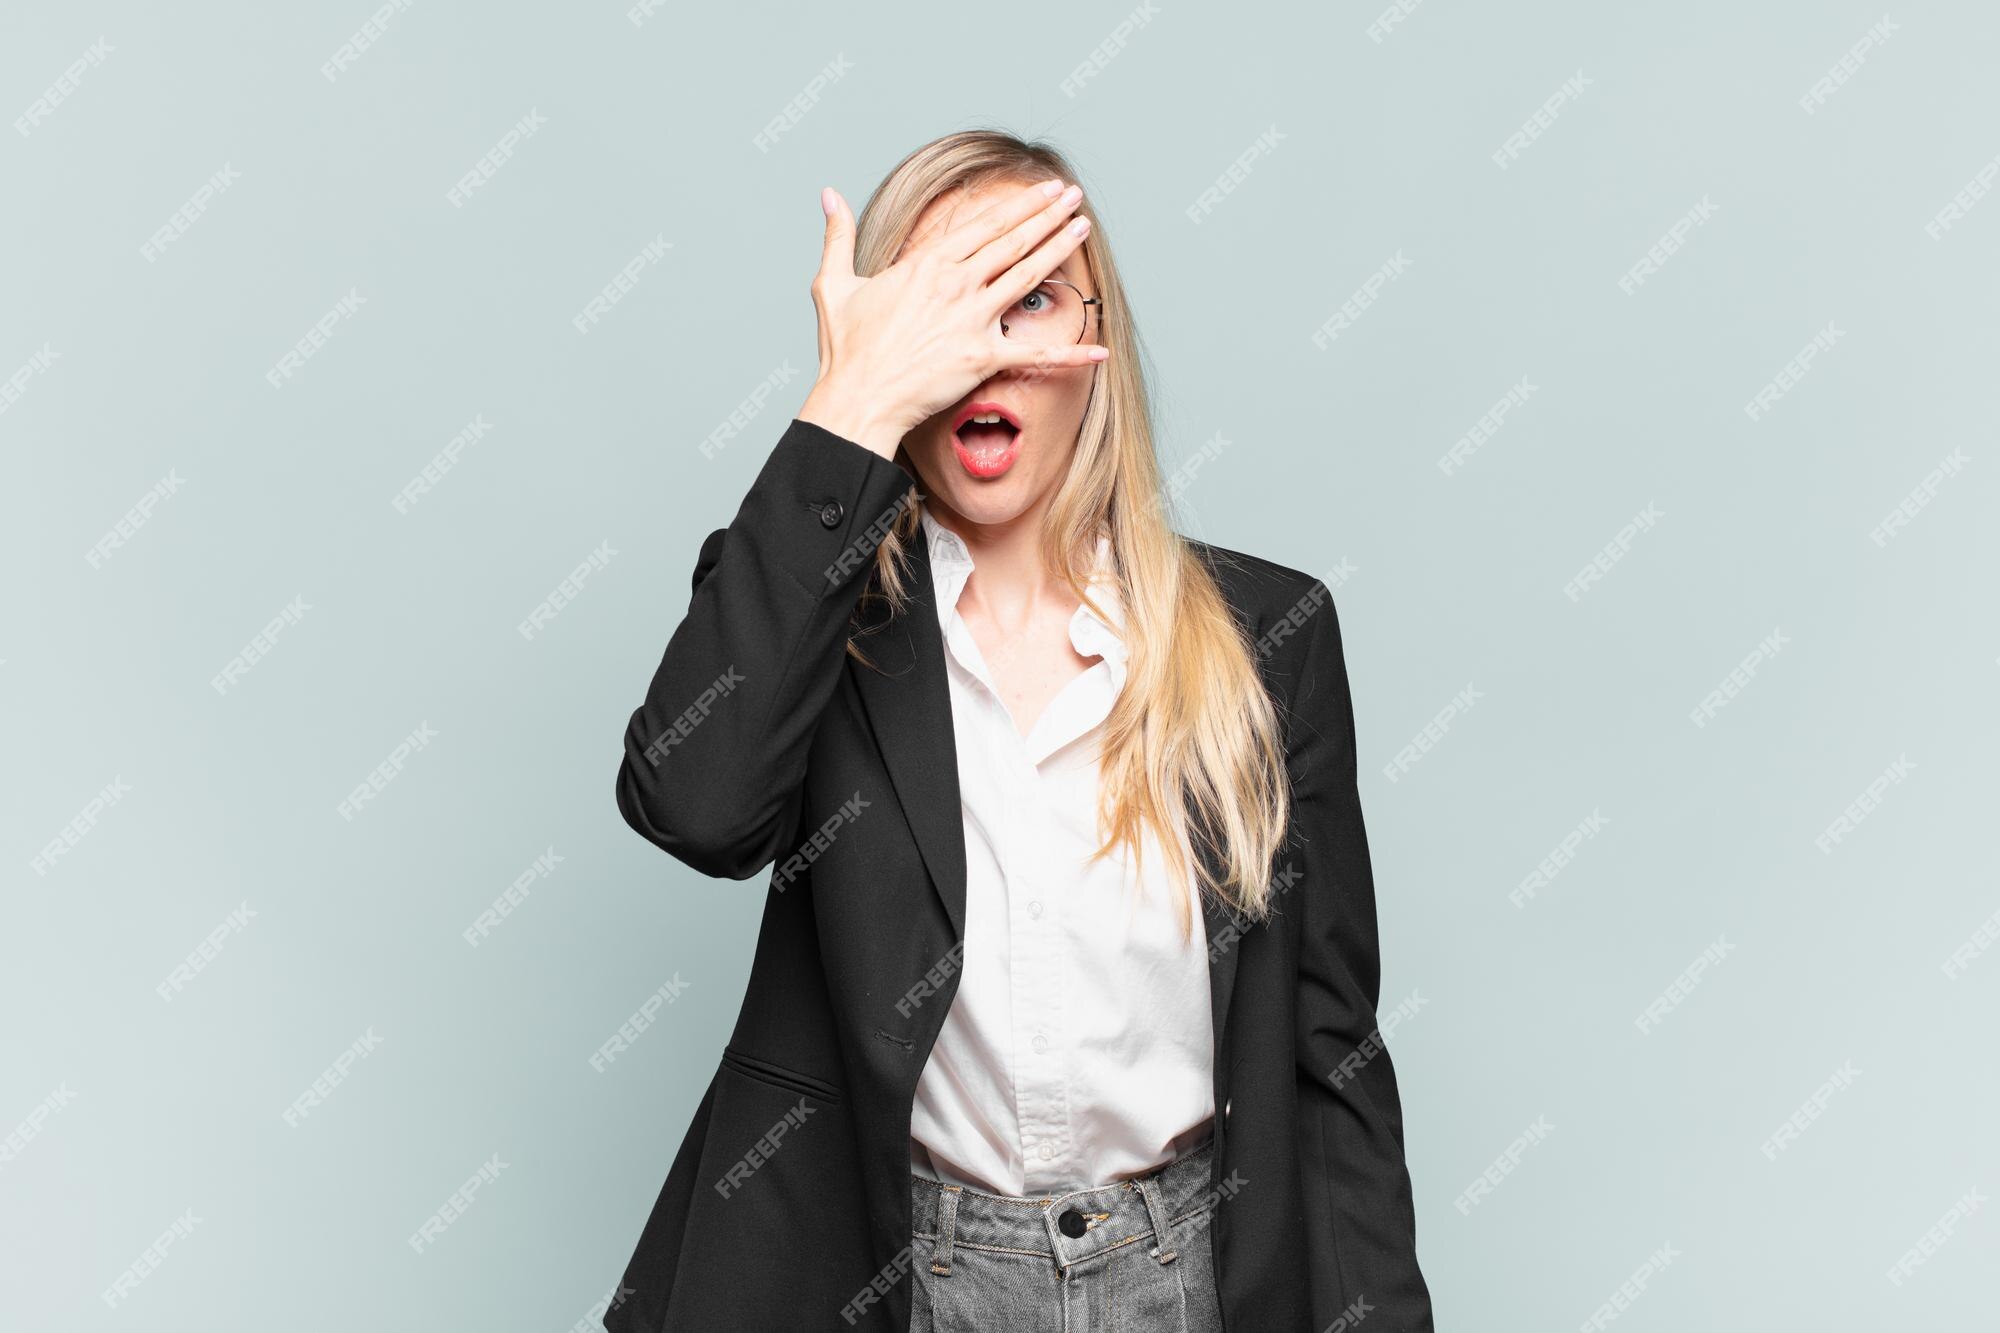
point(787, 1206)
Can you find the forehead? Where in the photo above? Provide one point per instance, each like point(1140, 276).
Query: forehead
point(950, 209)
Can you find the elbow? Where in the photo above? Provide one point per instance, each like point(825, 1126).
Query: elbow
point(701, 827)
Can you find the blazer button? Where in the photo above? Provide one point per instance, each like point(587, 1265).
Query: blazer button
point(831, 513)
point(1071, 1223)
point(1227, 1103)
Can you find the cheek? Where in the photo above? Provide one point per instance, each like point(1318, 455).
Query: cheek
point(1060, 399)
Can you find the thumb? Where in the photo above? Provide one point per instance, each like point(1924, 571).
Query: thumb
point(837, 258)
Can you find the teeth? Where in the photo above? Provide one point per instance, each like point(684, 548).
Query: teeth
point(989, 419)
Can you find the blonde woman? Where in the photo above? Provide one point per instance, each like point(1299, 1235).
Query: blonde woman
point(1062, 1014)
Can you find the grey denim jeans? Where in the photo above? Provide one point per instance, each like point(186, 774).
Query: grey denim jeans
point(1129, 1257)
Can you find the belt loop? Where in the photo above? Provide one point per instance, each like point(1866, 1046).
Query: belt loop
point(947, 1219)
point(1156, 1208)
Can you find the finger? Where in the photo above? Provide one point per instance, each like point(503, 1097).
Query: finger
point(1005, 250)
point(837, 251)
point(996, 219)
point(1026, 275)
point(1034, 358)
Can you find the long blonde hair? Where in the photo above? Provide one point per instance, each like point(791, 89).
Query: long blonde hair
point(1191, 750)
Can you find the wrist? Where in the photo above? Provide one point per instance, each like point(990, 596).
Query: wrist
point(851, 417)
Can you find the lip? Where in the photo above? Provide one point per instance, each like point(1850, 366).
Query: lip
point(971, 410)
point(966, 460)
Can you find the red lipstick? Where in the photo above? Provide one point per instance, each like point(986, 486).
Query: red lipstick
point(986, 450)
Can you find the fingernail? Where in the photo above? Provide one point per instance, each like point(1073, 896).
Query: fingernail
point(1079, 227)
point(1052, 188)
point(1099, 353)
point(1072, 194)
point(826, 199)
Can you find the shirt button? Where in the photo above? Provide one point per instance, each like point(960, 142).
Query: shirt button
point(1035, 908)
point(1048, 1151)
point(1041, 1042)
point(831, 513)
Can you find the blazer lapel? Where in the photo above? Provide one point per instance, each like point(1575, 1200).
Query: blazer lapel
point(908, 700)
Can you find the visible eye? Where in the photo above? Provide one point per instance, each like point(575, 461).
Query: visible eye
point(1038, 301)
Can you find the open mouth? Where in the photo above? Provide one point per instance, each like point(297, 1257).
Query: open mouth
point(987, 439)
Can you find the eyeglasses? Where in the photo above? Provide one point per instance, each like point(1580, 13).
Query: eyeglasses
point(1054, 314)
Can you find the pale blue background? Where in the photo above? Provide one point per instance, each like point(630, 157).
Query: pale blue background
point(1332, 454)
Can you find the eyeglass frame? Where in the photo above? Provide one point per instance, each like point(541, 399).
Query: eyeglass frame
point(1088, 301)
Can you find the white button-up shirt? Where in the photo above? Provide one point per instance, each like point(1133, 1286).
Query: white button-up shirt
point(1079, 1049)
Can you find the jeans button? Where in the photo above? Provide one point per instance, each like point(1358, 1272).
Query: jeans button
point(831, 513)
point(1071, 1223)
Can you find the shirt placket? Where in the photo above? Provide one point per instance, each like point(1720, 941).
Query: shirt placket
point(1038, 960)
point(1039, 983)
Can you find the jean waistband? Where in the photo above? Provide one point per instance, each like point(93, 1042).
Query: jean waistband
point(1103, 1217)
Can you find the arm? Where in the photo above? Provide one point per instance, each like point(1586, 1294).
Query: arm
point(715, 756)
point(1360, 1218)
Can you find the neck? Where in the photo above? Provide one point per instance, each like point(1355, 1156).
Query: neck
point(1009, 580)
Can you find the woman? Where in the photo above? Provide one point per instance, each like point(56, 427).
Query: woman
point(951, 670)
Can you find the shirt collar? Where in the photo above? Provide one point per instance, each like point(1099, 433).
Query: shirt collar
point(951, 567)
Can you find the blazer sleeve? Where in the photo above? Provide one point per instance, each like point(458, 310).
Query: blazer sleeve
point(1360, 1218)
point(715, 756)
